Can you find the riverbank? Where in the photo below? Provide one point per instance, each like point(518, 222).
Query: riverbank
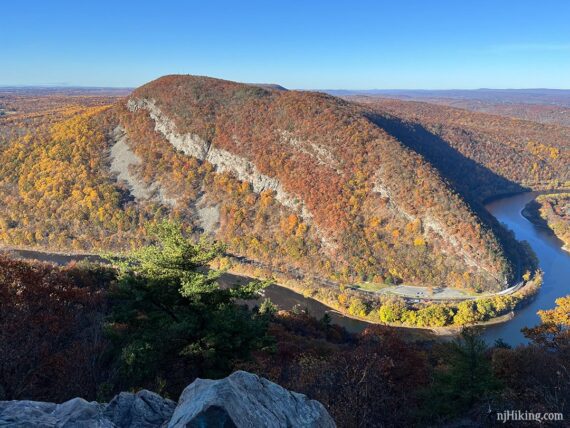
point(418, 332)
point(426, 332)
point(441, 318)
point(540, 212)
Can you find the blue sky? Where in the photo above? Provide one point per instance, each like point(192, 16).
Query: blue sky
point(307, 44)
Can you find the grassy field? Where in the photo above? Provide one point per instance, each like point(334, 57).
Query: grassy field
point(371, 286)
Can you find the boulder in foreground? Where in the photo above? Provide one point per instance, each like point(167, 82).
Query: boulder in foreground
point(246, 400)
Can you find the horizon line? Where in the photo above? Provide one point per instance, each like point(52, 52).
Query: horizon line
point(62, 86)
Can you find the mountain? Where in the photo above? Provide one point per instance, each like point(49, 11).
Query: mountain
point(306, 179)
point(300, 182)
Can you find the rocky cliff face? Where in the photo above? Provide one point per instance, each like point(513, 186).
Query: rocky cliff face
point(240, 400)
point(222, 160)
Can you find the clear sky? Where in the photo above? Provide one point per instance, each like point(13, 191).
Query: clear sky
point(329, 44)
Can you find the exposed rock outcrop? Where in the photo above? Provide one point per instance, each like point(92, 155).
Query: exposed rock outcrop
point(144, 409)
point(122, 159)
point(208, 215)
point(246, 400)
point(240, 400)
point(224, 161)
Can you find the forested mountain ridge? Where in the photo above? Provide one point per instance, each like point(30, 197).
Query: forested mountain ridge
point(298, 181)
point(306, 180)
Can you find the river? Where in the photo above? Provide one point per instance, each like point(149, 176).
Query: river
point(554, 261)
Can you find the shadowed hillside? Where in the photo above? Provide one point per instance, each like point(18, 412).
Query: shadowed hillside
point(527, 153)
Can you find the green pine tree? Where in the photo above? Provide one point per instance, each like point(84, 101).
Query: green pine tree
point(171, 319)
point(464, 379)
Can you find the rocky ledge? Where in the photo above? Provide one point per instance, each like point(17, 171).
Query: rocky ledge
point(240, 400)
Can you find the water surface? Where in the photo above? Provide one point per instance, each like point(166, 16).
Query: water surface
point(553, 260)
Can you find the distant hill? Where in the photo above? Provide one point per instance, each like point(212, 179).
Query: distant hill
point(549, 106)
point(64, 90)
point(270, 86)
point(559, 97)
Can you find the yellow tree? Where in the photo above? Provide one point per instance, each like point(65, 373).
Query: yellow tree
point(554, 330)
